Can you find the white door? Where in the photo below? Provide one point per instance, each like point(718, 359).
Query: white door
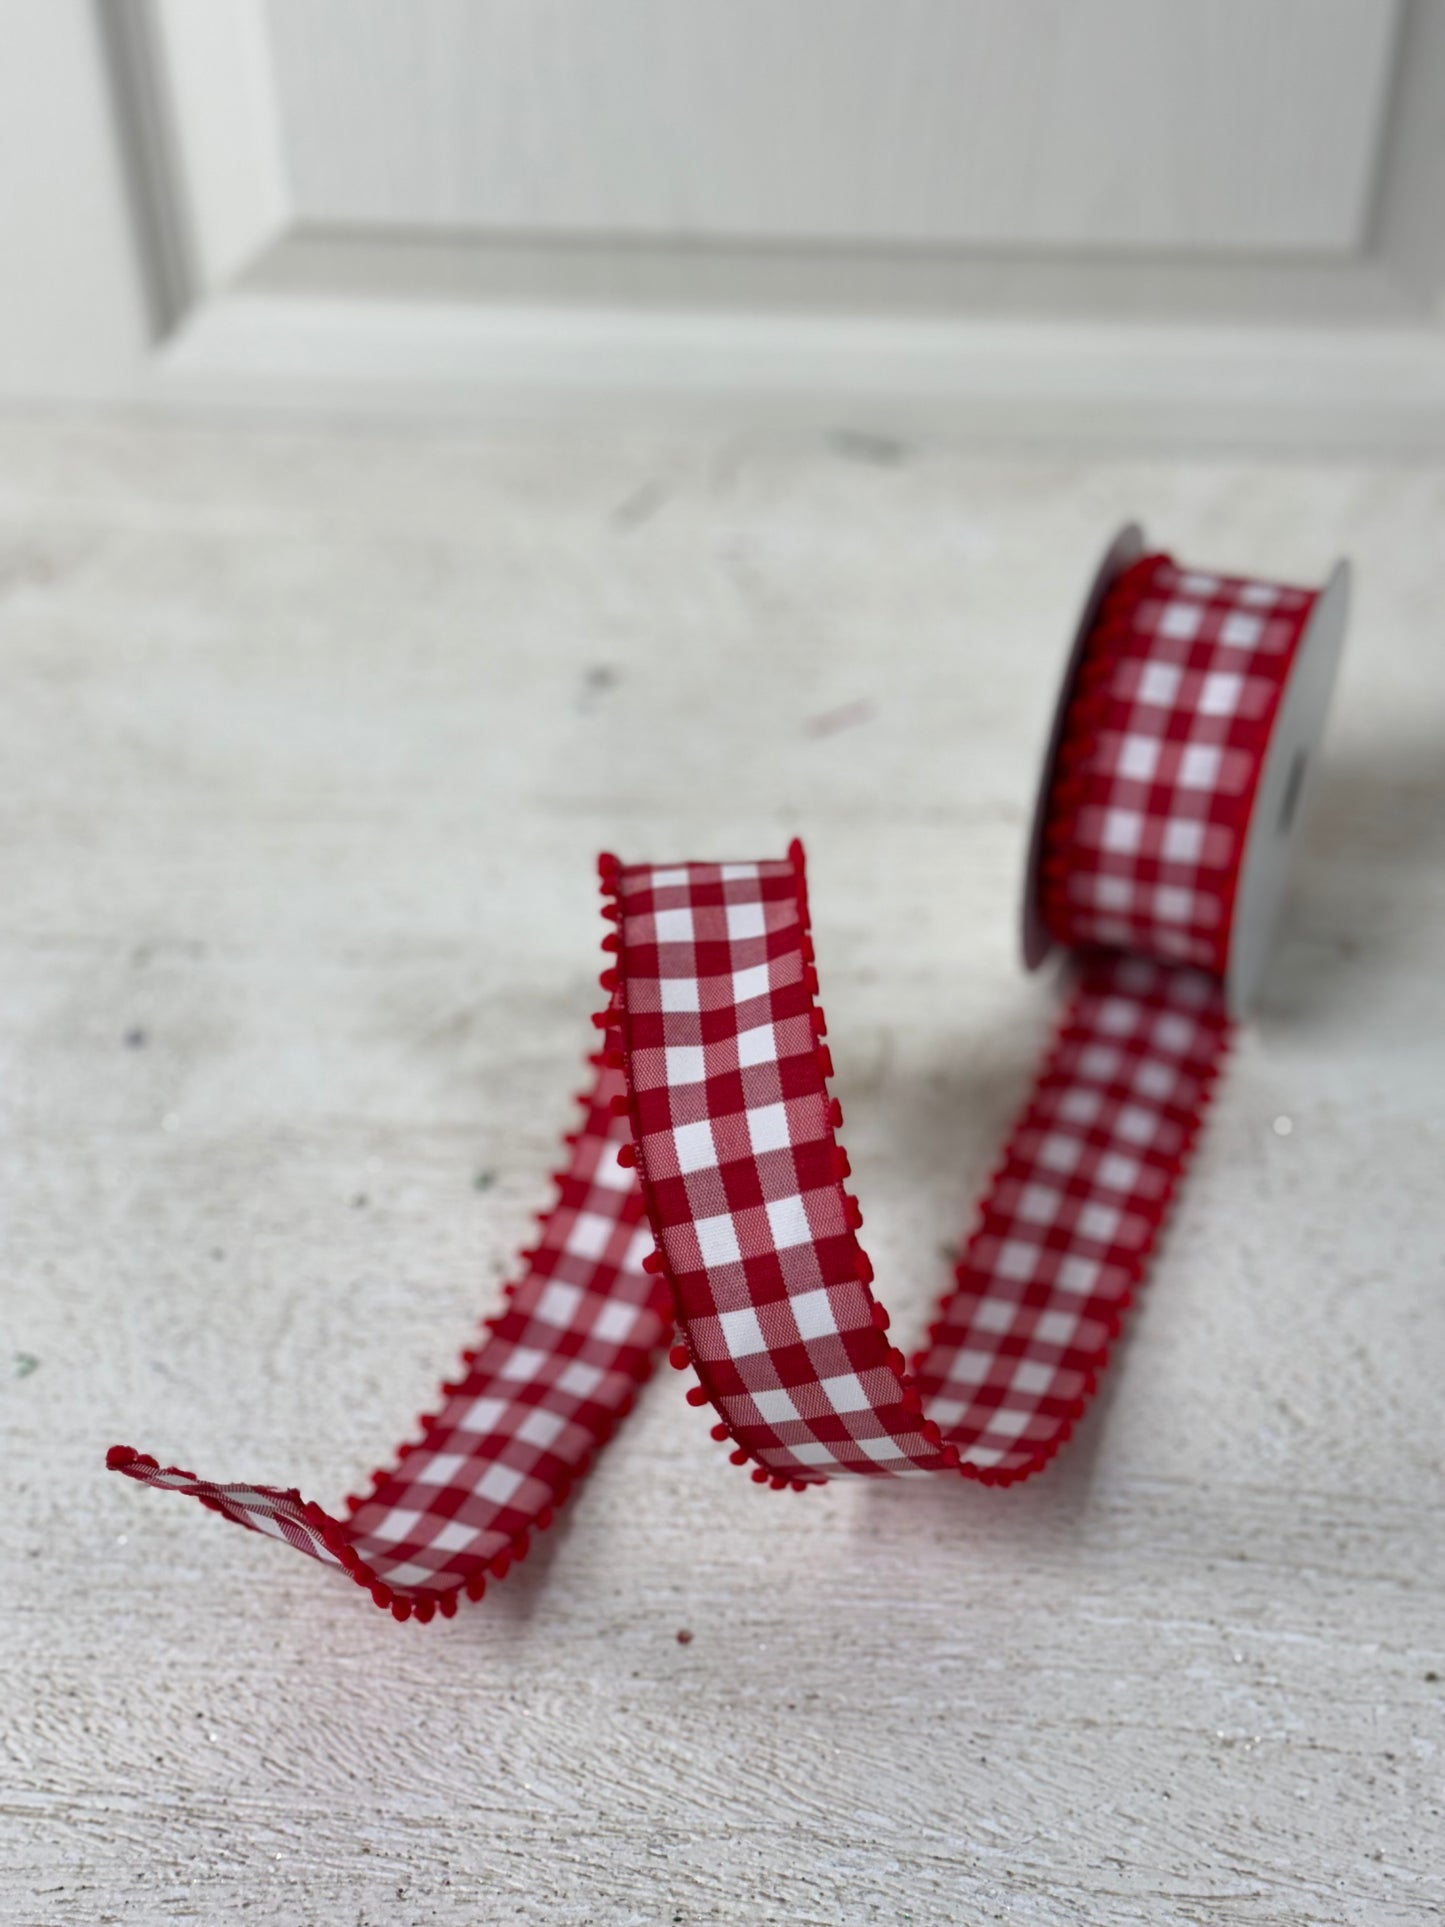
point(1158, 216)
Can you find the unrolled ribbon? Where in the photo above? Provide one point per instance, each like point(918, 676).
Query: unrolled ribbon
point(705, 1192)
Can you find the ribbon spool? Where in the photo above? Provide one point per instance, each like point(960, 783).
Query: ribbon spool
point(706, 1185)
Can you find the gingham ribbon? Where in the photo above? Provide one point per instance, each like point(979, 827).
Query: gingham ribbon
point(706, 1184)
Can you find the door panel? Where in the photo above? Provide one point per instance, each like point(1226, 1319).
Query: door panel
point(1170, 222)
point(1196, 125)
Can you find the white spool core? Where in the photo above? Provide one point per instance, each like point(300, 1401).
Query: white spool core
point(1279, 797)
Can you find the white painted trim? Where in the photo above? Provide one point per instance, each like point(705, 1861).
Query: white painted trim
point(1307, 358)
point(76, 310)
point(217, 81)
point(1146, 384)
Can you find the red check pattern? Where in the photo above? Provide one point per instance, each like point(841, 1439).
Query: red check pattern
point(1161, 753)
point(1072, 1213)
point(521, 1423)
point(743, 1177)
point(713, 1087)
point(744, 1184)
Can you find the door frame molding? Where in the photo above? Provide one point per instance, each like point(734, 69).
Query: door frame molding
point(250, 306)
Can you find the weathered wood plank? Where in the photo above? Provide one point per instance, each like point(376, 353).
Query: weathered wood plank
point(309, 739)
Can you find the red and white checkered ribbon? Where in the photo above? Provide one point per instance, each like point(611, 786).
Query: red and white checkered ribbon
point(706, 1185)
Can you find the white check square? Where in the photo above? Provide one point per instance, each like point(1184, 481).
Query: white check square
point(672, 926)
point(1241, 631)
point(409, 1574)
point(1159, 684)
point(1181, 621)
point(1080, 1107)
point(757, 1046)
point(1007, 1425)
point(1016, 1260)
point(588, 1234)
point(813, 1314)
point(1183, 840)
point(1056, 1328)
point(788, 1222)
point(1078, 1274)
point(745, 920)
point(453, 1536)
point(608, 1173)
point(1220, 693)
point(1117, 1017)
point(776, 1408)
point(483, 1415)
point(540, 1427)
point(1199, 765)
point(579, 1380)
point(1100, 1222)
point(1154, 1080)
point(845, 1392)
point(641, 1243)
point(1038, 1204)
point(694, 1146)
point(752, 982)
point(1102, 893)
point(523, 1364)
point(1117, 1172)
point(1031, 1378)
point(1139, 758)
point(768, 1128)
point(396, 1526)
point(1136, 1125)
point(742, 1334)
point(499, 1483)
point(1101, 1062)
point(1121, 831)
point(684, 1064)
point(1174, 1033)
point(1173, 904)
point(558, 1304)
point(614, 1323)
point(717, 1240)
point(441, 1469)
point(1059, 1153)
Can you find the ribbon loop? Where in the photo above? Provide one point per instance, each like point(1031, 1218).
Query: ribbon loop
point(706, 1186)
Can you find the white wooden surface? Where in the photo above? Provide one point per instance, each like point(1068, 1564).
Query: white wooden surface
point(309, 737)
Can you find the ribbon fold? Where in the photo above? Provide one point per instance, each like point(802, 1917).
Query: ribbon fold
point(705, 1193)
